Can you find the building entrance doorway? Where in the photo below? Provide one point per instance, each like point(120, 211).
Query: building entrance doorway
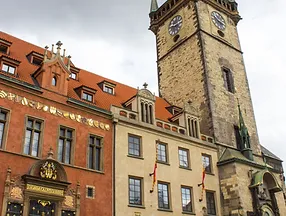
point(41, 208)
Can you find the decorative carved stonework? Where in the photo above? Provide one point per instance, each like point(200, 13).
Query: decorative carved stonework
point(16, 193)
point(48, 171)
point(145, 93)
point(69, 201)
point(190, 109)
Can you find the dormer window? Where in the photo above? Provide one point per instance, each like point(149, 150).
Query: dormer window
point(8, 69)
point(35, 58)
point(9, 65)
point(86, 96)
point(54, 81)
point(86, 93)
point(107, 87)
point(73, 75)
point(4, 46)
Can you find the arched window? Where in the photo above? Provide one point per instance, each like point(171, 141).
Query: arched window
point(54, 81)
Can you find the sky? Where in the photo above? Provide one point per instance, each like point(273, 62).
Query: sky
point(111, 38)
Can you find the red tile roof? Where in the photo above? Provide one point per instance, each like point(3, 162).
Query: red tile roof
point(20, 49)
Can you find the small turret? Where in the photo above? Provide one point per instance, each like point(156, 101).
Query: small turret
point(154, 6)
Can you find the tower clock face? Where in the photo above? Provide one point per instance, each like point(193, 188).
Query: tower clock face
point(175, 25)
point(218, 20)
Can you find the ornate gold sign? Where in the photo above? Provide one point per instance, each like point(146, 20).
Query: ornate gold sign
point(53, 110)
point(46, 190)
point(48, 170)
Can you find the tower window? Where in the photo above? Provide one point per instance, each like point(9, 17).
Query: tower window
point(147, 113)
point(228, 80)
point(54, 81)
point(193, 127)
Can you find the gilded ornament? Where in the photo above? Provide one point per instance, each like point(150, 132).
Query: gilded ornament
point(39, 106)
point(66, 114)
point(32, 104)
point(46, 190)
point(101, 126)
point(18, 99)
point(16, 193)
point(10, 96)
point(83, 120)
point(69, 201)
point(78, 118)
point(53, 110)
point(3, 94)
point(90, 122)
point(59, 113)
point(46, 108)
point(24, 101)
point(48, 170)
point(44, 202)
point(96, 124)
point(107, 127)
point(72, 116)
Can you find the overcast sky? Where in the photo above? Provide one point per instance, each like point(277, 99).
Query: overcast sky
point(111, 38)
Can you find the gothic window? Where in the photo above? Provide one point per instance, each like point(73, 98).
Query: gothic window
point(32, 137)
point(210, 197)
point(237, 137)
point(193, 127)
point(15, 209)
point(65, 145)
point(8, 68)
point(135, 191)
point(3, 125)
point(228, 79)
point(54, 81)
point(95, 153)
point(163, 196)
point(186, 199)
point(146, 112)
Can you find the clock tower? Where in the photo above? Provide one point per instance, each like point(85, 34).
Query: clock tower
point(200, 61)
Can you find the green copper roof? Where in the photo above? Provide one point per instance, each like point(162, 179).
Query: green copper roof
point(258, 179)
point(154, 6)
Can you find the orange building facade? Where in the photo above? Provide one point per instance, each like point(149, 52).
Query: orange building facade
point(56, 140)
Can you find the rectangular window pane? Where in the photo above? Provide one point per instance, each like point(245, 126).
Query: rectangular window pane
point(162, 153)
point(135, 194)
point(27, 142)
point(1, 133)
point(210, 198)
point(98, 158)
point(186, 199)
point(67, 152)
point(183, 157)
point(134, 146)
point(5, 68)
point(91, 157)
point(60, 150)
point(35, 144)
point(95, 153)
point(163, 196)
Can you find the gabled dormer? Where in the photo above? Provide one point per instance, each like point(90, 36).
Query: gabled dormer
point(9, 65)
point(86, 93)
point(107, 87)
point(5, 46)
point(54, 72)
point(35, 58)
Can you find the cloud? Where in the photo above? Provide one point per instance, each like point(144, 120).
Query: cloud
point(111, 38)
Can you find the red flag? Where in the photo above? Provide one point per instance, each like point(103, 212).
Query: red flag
point(154, 174)
point(203, 184)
